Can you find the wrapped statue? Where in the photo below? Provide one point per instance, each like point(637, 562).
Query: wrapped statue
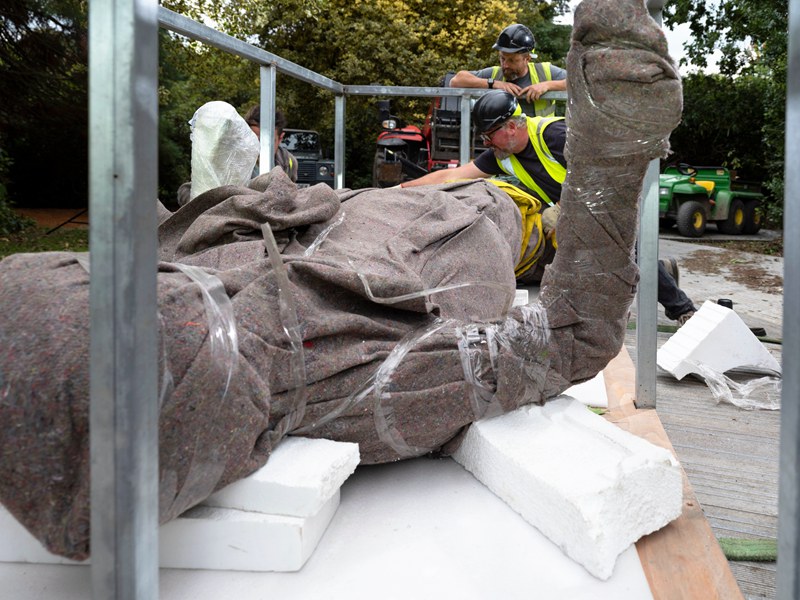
point(381, 317)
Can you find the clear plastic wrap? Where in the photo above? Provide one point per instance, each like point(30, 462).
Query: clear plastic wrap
point(220, 321)
point(478, 365)
point(291, 327)
point(762, 393)
point(224, 148)
point(383, 409)
point(323, 235)
point(474, 348)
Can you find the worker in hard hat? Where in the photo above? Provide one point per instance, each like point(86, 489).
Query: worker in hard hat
point(530, 150)
point(517, 73)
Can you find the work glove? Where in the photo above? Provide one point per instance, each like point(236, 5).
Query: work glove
point(550, 218)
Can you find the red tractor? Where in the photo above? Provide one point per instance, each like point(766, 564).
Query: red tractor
point(402, 153)
point(406, 152)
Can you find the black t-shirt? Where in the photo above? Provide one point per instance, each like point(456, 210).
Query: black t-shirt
point(555, 134)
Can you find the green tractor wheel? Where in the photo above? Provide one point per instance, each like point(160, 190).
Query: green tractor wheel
point(752, 217)
point(734, 224)
point(691, 219)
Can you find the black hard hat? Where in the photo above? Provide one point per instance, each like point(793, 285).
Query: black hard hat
point(493, 109)
point(515, 38)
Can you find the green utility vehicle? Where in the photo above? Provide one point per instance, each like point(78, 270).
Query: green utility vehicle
point(690, 197)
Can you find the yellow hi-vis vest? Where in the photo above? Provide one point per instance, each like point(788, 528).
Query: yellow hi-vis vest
point(555, 169)
point(539, 72)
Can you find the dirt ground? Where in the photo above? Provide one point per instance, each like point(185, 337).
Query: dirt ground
point(748, 271)
point(771, 247)
point(53, 217)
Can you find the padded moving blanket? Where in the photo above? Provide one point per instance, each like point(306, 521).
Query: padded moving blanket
point(380, 317)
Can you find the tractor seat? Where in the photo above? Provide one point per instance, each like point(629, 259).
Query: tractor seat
point(708, 185)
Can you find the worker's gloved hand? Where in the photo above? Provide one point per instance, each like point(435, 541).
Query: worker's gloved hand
point(549, 218)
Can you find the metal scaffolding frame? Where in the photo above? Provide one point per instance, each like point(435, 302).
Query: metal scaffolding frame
point(647, 259)
point(123, 171)
point(788, 579)
point(123, 414)
point(272, 64)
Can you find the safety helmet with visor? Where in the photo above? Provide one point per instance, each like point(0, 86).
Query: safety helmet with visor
point(492, 110)
point(514, 39)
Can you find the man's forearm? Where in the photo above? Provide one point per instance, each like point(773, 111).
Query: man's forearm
point(431, 178)
point(465, 79)
point(467, 171)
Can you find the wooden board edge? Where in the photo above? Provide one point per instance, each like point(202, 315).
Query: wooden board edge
point(683, 559)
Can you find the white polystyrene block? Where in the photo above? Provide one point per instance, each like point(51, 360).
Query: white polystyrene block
point(590, 487)
point(591, 393)
point(226, 539)
point(301, 475)
point(204, 537)
point(18, 545)
point(717, 338)
point(520, 298)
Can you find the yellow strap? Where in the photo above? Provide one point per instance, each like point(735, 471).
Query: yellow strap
point(529, 208)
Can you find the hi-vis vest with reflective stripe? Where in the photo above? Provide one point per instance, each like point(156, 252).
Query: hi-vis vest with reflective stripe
point(539, 72)
point(555, 169)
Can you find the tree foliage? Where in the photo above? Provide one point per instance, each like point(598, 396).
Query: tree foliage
point(722, 122)
point(378, 42)
point(43, 74)
point(751, 36)
point(43, 100)
point(369, 42)
point(746, 32)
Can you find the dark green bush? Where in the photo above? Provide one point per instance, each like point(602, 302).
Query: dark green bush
point(11, 221)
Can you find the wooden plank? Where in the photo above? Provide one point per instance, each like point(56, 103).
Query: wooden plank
point(683, 559)
point(730, 456)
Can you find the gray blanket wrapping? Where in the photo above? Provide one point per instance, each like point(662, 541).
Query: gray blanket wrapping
point(398, 371)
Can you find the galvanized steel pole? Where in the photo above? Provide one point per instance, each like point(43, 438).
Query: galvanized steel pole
point(338, 139)
point(464, 149)
point(269, 74)
point(647, 295)
point(788, 578)
point(123, 167)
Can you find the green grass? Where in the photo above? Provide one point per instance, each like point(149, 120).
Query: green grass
point(35, 239)
point(752, 549)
